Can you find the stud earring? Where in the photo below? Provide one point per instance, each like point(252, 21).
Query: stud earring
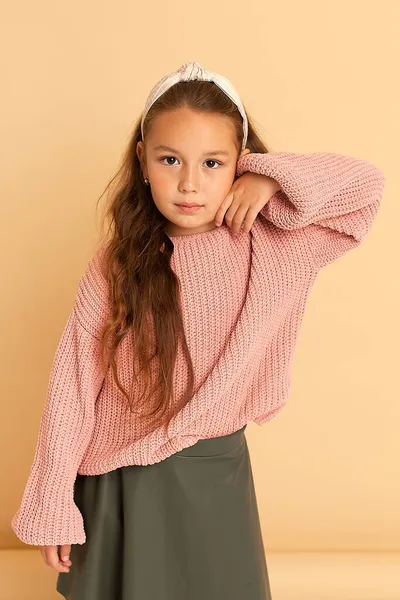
point(147, 181)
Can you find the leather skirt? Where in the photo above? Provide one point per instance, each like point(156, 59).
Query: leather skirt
point(186, 528)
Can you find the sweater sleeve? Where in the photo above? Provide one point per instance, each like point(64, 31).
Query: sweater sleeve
point(48, 515)
point(332, 198)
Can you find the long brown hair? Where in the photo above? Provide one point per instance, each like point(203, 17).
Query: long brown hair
point(144, 290)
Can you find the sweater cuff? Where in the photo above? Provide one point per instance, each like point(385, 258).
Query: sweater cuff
point(39, 524)
point(291, 207)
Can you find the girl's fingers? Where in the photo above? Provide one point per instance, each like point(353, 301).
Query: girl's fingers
point(219, 217)
point(235, 215)
point(52, 559)
point(250, 218)
point(239, 209)
point(64, 553)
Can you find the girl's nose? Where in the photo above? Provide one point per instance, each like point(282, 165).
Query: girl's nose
point(189, 181)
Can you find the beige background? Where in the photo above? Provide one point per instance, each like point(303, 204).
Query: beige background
point(315, 77)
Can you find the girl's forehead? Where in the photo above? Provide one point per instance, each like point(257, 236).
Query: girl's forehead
point(209, 131)
point(188, 114)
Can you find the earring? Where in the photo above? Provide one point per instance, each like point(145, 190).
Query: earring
point(147, 181)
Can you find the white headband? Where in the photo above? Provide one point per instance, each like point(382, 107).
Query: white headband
point(189, 72)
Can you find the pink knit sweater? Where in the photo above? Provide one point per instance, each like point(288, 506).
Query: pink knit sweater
point(243, 301)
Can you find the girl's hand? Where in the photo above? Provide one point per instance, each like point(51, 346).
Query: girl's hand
point(55, 560)
point(248, 195)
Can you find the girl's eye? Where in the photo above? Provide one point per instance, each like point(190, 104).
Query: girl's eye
point(213, 161)
point(166, 158)
point(174, 157)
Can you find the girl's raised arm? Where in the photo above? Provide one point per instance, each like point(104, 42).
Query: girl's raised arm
point(332, 198)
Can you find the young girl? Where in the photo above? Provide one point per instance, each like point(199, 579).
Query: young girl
point(183, 330)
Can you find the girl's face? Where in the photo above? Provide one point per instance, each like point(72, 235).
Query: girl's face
point(189, 157)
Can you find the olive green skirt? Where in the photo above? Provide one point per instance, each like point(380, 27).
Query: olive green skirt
point(186, 528)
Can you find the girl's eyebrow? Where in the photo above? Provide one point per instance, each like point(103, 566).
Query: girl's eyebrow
point(211, 153)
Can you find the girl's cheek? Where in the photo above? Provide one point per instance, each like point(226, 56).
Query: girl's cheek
point(160, 180)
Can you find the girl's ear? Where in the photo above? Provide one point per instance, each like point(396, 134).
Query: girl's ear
point(140, 152)
point(244, 152)
point(142, 158)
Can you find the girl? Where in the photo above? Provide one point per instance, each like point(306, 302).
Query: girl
point(183, 330)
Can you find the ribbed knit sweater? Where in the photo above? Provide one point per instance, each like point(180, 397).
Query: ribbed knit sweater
point(243, 299)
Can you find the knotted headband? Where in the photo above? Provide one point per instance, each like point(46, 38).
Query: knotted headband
point(194, 71)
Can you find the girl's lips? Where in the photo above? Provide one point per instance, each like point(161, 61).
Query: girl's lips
point(189, 209)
